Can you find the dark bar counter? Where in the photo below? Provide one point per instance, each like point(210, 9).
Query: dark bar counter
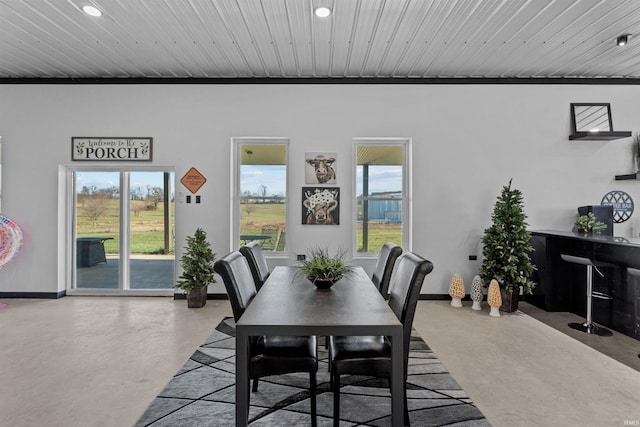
point(562, 286)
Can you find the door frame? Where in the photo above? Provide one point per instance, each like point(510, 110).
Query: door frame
point(66, 235)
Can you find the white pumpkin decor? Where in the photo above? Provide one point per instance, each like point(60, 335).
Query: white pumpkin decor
point(476, 293)
point(456, 290)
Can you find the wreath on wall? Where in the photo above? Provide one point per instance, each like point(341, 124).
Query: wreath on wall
point(10, 240)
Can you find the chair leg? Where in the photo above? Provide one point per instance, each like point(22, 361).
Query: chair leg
point(312, 389)
point(406, 407)
point(329, 368)
point(336, 400)
point(255, 385)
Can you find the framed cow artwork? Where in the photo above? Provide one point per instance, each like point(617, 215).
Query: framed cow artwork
point(320, 206)
point(320, 168)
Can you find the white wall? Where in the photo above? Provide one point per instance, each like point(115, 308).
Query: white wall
point(468, 141)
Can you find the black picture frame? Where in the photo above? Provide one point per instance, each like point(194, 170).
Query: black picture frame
point(320, 205)
point(587, 117)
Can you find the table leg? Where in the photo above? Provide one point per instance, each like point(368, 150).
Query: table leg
point(242, 378)
point(397, 380)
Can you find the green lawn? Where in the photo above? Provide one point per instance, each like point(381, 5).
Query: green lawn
point(147, 227)
point(147, 235)
point(255, 217)
point(379, 234)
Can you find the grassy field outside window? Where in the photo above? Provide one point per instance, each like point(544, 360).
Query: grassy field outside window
point(146, 225)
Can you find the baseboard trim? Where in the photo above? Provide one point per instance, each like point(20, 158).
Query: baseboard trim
point(178, 296)
point(435, 297)
point(445, 297)
point(438, 297)
point(41, 295)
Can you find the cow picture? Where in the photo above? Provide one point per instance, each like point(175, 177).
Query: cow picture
point(320, 168)
point(320, 206)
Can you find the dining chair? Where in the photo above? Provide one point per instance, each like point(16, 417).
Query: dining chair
point(371, 355)
point(384, 267)
point(257, 263)
point(268, 355)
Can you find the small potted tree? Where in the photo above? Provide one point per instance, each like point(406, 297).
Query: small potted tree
point(506, 248)
point(197, 269)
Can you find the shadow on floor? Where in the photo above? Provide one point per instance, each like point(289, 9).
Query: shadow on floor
point(620, 347)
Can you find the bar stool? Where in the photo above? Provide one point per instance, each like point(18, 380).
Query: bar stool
point(588, 326)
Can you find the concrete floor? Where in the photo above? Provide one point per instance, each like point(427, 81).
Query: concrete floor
point(99, 361)
point(522, 372)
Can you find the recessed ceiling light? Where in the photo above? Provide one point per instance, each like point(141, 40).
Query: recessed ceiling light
point(90, 10)
point(322, 12)
point(623, 39)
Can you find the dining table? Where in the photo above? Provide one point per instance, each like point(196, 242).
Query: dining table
point(289, 304)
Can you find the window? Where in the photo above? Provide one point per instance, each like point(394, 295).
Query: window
point(261, 193)
point(382, 193)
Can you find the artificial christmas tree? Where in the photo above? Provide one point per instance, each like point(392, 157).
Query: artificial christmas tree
point(197, 269)
point(506, 248)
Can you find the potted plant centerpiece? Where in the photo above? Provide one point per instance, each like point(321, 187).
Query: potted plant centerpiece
point(197, 269)
point(506, 248)
point(322, 269)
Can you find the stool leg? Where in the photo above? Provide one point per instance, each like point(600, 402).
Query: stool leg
point(589, 323)
point(588, 326)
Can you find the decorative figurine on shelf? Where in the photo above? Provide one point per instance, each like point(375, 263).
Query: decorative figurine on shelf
point(476, 293)
point(494, 298)
point(456, 290)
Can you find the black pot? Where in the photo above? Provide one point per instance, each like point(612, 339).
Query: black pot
point(197, 297)
point(510, 300)
point(323, 284)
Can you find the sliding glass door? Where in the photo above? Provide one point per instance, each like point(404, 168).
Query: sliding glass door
point(151, 230)
point(123, 231)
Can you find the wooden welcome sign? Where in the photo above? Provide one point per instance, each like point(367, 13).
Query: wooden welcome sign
point(112, 149)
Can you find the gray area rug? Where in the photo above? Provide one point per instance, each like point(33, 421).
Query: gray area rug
point(202, 393)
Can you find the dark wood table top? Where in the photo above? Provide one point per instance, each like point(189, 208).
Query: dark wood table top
point(289, 301)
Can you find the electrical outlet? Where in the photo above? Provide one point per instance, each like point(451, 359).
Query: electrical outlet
point(301, 257)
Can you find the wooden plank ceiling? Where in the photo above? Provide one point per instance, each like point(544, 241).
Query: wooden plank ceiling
point(282, 39)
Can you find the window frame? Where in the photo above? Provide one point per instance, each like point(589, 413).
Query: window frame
point(407, 190)
point(236, 158)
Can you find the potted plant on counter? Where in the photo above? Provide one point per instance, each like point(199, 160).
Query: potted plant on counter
point(506, 248)
point(322, 269)
point(197, 269)
point(588, 224)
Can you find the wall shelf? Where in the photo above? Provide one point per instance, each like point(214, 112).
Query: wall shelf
point(628, 176)
point(602, 136)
